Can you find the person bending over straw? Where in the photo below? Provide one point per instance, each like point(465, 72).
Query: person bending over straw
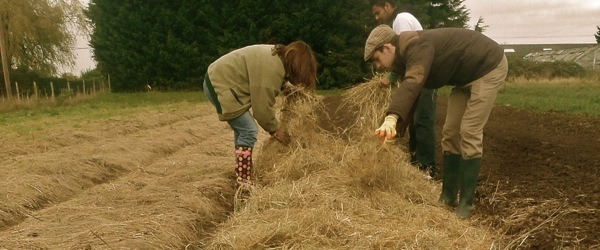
point(253, 76)
point(474, 65)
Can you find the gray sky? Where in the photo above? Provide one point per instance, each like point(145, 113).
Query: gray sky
point(84, 59)
point(537, 21)
point(509, 21)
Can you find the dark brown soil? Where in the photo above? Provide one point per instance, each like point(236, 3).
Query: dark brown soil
point(540, 179)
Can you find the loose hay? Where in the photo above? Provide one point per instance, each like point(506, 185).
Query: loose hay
point(368, 103)
point(148, 181)
point(324, 192)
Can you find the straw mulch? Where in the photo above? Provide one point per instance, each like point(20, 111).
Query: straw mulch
point(324, 192)
point(157, 179)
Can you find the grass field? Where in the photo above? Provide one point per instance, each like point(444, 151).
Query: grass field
point(103, 106)
point(565, 96)
point(569, 96)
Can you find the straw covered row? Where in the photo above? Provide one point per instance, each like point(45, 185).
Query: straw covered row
point(324, 191)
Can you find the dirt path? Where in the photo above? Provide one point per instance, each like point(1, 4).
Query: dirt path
point(542, 169)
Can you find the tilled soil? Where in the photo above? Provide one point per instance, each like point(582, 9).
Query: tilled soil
point(540, 178)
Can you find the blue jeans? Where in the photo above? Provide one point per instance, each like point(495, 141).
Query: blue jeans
point(244, 127)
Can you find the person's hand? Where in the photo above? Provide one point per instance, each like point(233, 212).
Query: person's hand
point(281, 136)
point(387, 131)
point(384, 83)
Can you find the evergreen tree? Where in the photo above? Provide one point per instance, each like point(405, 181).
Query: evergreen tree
point(597, 35)
point(437, 13)
point(480, 27)
point(165, 44)
point(173, 43)
point(335, 29)
point(170, 44)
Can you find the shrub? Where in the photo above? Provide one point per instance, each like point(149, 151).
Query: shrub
point(65, 94)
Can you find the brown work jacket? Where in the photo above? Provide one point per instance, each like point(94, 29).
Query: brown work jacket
point(437, 57)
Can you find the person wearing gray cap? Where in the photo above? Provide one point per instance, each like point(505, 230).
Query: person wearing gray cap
point(474, 65)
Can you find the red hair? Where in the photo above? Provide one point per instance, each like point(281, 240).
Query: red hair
point(299, 62)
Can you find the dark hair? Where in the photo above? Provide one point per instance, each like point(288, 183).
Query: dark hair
point(299, 62)
point(381, 3)
point(394, 42)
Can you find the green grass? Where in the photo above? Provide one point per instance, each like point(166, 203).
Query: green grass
point(332, 92)
point(568, 96)
point(103, 106)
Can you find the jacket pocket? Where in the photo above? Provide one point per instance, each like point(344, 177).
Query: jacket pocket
point(230, 102)
point(235, 96)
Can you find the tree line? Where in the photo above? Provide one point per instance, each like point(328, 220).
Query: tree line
point(169, 44)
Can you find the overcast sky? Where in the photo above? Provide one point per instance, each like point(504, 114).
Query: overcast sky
point(537, 21)
point(509, 21)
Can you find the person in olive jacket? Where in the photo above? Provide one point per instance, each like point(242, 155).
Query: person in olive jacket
point(474, 65)
point(254, 76)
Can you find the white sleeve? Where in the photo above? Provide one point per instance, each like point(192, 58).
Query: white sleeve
point(406, 22)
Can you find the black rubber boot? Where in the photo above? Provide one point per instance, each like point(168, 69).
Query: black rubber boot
point(450, 179)
point(469, 170)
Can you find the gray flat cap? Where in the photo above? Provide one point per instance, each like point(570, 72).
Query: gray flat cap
point(379, 36)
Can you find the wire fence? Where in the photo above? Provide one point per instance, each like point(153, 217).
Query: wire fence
point(51, 92)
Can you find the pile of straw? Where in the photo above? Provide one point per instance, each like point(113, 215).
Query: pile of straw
point(367, 103)
point(324, 192)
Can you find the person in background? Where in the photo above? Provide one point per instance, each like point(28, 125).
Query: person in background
point(421, 129)
point(474, 65)
point(253, 76)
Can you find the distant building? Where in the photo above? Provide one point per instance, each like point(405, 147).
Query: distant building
point(522, 50)
point(587, 57)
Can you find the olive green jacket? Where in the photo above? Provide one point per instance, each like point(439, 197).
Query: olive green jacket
point(437, 57)
point(248, 77)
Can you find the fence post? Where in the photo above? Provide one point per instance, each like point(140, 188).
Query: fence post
point(52, 90)
point(109, 90)
point(17, 88)
point(84, 93)
point(594, 63)
point(35, 91)
point(68, 85)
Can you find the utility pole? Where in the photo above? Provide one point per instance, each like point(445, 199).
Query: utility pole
point(4, 59)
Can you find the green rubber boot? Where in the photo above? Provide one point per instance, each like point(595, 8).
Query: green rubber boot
point(450, 179)
point(469, 170)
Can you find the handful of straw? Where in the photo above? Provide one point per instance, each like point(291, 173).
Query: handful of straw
point(368, 101)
